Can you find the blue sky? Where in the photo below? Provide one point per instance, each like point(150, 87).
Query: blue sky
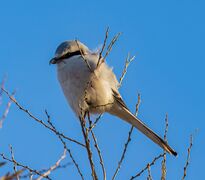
point(167, 38)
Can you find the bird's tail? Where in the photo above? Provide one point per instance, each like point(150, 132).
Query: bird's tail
point(123, 113)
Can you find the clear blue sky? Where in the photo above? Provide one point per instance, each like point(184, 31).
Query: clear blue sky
point(168, 40)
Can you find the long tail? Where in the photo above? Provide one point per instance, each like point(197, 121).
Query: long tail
point(122, 112)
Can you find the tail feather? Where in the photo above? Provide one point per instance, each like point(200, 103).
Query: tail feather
point(123, 113)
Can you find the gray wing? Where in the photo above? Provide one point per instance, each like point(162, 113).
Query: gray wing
point(119, 99)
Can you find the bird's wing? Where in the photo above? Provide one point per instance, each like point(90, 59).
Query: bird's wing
point(119, 99)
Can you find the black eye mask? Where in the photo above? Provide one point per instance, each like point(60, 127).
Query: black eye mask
point(66, 56)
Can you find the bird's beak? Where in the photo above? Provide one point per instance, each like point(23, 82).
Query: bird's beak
point(53, 61)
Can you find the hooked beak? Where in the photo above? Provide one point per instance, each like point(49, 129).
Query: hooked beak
point(53, 61)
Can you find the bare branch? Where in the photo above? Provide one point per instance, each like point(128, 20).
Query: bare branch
point(64, 145)
point(14, 164)
point(13, 176)
point(2, 164)
point(97, 148)
point(87, 142)
point(23, 166)
point(137, 104)
point(188, 157)
point(150, 164)
point(88, 65)
point(127, 63)
point(95, 123)
point(128, 140)
point(2, 86)
point(124, 152)
point(39, 120)
point(166, 128)
point(149, 172)
point(103, 47)
point(6, 110)
point(30, 175)
point(99, 154)
point(54, 166)
point(164, 170)
point(109, 48)
point(45, 170)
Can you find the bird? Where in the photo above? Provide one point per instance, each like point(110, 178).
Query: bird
point(90, 86)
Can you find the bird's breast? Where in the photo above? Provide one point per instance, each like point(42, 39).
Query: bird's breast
point(73, 75)
point(84, 89)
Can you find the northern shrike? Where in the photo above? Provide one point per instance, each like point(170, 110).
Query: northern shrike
point(92, 87)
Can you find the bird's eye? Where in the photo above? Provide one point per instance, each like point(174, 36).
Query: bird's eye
point(67, 54)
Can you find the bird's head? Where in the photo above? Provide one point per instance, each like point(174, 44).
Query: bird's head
point(68, 49)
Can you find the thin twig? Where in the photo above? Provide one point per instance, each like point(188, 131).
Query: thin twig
point(95, 122)
point(64, 145)
point(87, 142)
point(39, 120)
point(23, 166)
point(6, 110)
point(149, 172)
point(166, 128)
point(14, 164)
point(13, 176)
point(2, 164)
point(88, 65)
point(99, 154)
point(150, 164)
point(137, 104)
point(109, 48)
point(128, 140)
point(164, 170)
point(124, 152)
point(97, 148)
point(188, 157)
point(30, 175)
point(2, 86)
point(54, 166)
point(44, 170)
point(127, 63)
point(103, 47)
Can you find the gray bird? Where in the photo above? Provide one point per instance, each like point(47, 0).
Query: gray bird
point(92, 87)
